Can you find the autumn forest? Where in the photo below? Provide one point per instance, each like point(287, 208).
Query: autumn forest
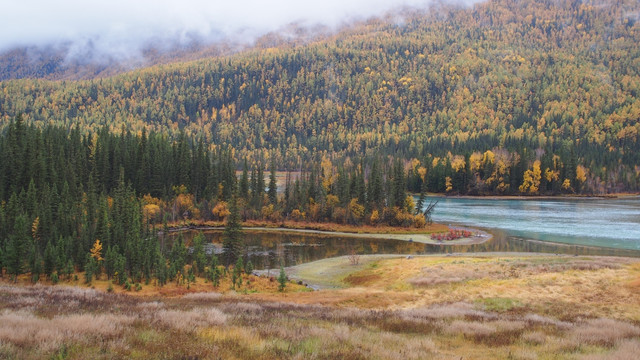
point(502, 98)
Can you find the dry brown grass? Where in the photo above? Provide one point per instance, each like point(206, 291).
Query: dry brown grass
point(535, 337)
point(190, 320)
point(568, 308)
point(604, 332)
point(626, 350)
point(24, 329)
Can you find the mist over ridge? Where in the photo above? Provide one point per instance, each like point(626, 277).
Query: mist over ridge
point(72, 32)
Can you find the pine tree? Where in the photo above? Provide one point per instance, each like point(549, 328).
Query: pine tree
point(282, 279)
point(49, 259)
point(16, 248)
point(244, 181)
point(89, 268)
point(273, 188)
point(248, 269)
point(36, 264)
point(375, 190)
point(232, 242)
point(2, 261)
point(198, 256)
point(237, 271)
point(215, 271)
point(421, 199)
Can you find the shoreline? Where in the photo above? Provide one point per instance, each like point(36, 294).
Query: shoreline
point(535, 197)
point(479, 237)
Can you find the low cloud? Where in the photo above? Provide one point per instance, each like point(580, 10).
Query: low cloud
point(122, 28)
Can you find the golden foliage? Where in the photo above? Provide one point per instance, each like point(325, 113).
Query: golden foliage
point(375, 217)
point(531, 181)
point(409, 204)
point(297, 215)
point(356, 210)
point(221, 210)
point(96, 250)
point(458, 163)
point(419, 221)
point(581, 173)
point(149, 211)
point(551, 175)
point(422, 171)
point(332, 201)
point(34, 228)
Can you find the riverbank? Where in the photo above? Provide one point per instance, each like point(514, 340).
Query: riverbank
point(478, 236)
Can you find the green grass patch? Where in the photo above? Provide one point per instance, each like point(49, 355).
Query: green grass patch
point(498, 304)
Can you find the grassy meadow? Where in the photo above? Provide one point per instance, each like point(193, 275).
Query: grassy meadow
point(517, 306)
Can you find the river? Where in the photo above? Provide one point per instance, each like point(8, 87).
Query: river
point(612, 223)
point(563, 226)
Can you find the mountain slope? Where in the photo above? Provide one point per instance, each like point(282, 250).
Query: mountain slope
point(558, 76)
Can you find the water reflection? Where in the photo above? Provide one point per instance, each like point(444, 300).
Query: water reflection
point(269, 250)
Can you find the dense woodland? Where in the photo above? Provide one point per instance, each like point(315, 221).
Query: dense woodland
point(538, 86)
point(70, 201)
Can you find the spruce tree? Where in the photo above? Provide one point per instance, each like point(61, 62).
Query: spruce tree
point(214, 271)
point(16, 248)
point(50, 259)
point(422, 198)
point(198, 256)
point(244, 181)
point(273, 188)
point(248, 269)
point(232, 237)
point(2, 261)
point(282, 279)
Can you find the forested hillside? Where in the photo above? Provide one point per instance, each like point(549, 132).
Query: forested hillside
point(502, 97)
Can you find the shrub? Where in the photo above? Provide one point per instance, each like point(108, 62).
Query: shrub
point(282, 279)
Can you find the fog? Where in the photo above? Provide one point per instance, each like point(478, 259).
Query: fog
point(121, 29)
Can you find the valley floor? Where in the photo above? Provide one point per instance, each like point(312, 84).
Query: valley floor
point(472, 306)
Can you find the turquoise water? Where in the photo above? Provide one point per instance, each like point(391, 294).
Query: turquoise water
point(613, 223)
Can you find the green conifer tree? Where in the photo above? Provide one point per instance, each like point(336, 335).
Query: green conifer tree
point(282, 279)
point(232, 237)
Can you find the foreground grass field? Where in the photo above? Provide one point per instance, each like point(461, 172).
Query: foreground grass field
point(474, 307)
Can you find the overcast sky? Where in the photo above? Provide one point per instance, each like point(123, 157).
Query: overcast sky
point(119, 26)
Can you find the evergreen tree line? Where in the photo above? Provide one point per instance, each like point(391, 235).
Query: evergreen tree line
point(72, 202)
